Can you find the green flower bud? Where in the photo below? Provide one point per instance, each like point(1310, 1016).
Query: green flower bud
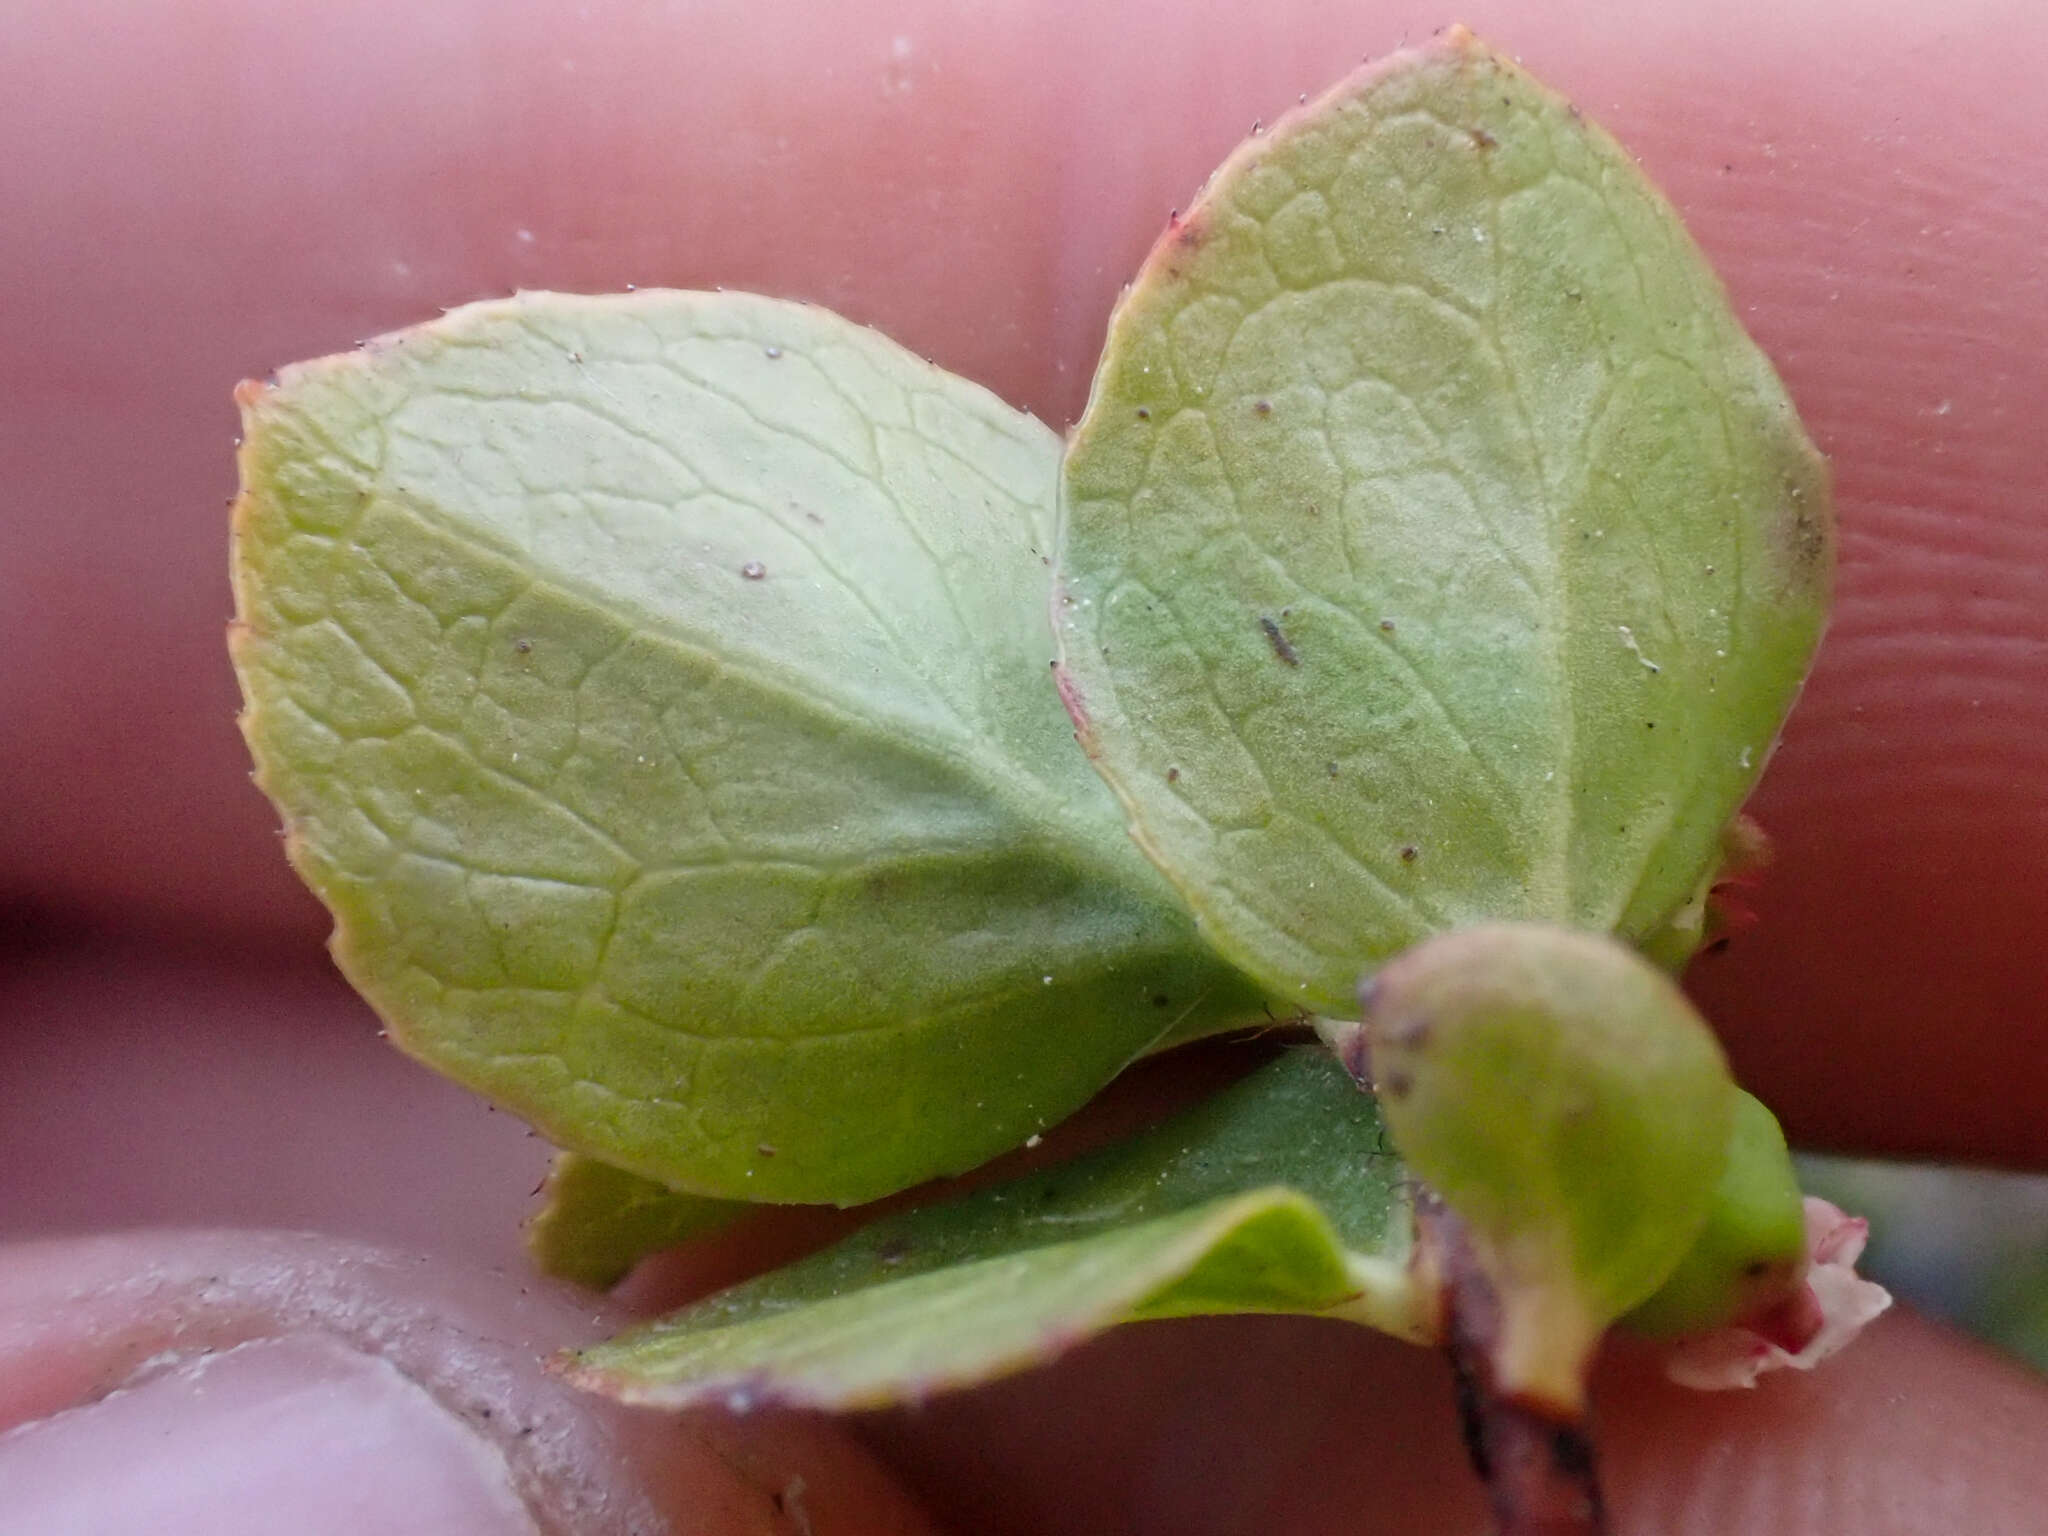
point(1564, 1099)
point(1752, 1250)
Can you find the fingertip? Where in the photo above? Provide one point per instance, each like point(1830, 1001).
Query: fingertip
point(299, 1434)
point(1217, 1426)
point(219, 1382)
point(1912, 1429)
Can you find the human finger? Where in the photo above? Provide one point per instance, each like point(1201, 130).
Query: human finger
point(1230, 1425)
point(250, 1382)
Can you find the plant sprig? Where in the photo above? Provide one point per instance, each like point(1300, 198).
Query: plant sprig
point(656, 689)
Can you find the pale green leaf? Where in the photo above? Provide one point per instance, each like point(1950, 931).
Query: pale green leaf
point(1276, 1195)
point(1437, 547)
point(655, 688)
point(598, 1221)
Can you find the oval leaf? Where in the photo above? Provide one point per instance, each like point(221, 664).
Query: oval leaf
point(655, 689)
point(1276, 1195)
point(1437, 547)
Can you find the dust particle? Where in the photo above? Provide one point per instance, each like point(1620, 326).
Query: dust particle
point(1279, 642)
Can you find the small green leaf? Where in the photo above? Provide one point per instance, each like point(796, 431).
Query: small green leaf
point(1276, 1195)
point(1560, 1094)
point(1437, 548)
point(656, 690)
point(599, 1221)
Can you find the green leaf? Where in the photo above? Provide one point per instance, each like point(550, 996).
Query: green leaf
point(1560, 1094)
point(655, 688)
point(1276, 1195)
point(1437, 547)
point(1751, 1251)
point(599, 1221)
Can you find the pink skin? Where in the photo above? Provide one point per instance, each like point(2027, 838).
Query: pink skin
point(350, 1388)
point(198, 192)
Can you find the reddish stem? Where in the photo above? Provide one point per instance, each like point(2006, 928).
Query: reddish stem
point(1538, 1467)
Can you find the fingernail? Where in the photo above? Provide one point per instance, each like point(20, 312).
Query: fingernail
point(297, 1434)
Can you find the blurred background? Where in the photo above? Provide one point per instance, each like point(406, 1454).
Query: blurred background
point(1964, 1244)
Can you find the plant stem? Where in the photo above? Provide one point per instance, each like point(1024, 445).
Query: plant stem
point(1538, 1468)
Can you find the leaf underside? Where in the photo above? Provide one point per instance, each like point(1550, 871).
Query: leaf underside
point(1436, 546)
point(656, 690)
point(1277, 1195)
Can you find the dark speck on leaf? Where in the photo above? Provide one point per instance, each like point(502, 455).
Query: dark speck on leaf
point(1173, 775)
point(1281, 647)
point(1386, 626)
point(765, 1150)
point(893, 1251)
point(753, 570)
point(1161, 1000)
point(1410, 853)
point(1263, 407)
point(522, 646)
point(1143, 414)
point(1483, 139)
